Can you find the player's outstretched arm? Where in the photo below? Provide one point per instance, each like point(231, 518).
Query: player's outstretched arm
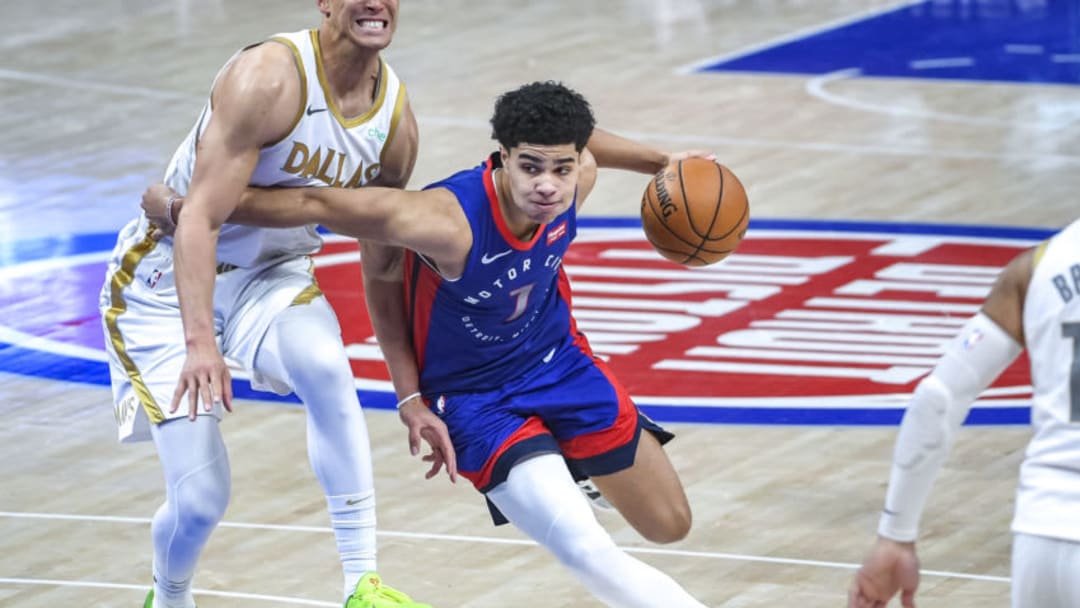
point(430, 221)
point(615, 152)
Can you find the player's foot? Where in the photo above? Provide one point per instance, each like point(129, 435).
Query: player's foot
point(372, 593)
point(596, 499)
point(149, 603)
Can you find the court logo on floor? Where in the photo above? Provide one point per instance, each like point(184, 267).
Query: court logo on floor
point(807, 323)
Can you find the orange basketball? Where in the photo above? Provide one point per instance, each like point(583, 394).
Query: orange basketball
point(695, 212)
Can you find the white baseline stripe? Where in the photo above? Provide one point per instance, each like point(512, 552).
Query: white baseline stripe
point(498, 541)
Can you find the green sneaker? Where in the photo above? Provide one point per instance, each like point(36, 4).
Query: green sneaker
point(372, 593)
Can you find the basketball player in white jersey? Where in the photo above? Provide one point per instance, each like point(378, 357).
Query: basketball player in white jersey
point(310, 108)
point(1035, 303)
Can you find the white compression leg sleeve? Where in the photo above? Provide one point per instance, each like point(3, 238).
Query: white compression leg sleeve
point(197, 486)
point(303, 348)
point(542, 500)
point(1044, 572)
point(939, 406)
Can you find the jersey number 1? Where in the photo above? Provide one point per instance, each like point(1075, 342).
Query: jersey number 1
point(1072, 330)
point(521, 301)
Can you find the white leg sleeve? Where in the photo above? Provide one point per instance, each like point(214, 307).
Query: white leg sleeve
point(303, 348)
point(939, 406)
point(542, 500)
point(197, 486)
point(1044, 572)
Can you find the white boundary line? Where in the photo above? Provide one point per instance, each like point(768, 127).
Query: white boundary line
point(501, 541)
point(118, 89)
point(279, 599)
point(702, 140)
point(816, 87)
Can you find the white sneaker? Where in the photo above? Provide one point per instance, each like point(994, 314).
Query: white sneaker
point(596, 499)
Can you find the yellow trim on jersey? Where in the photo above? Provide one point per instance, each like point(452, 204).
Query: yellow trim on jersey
point(303, 86)
point(1039, 252)
point(120, 280)
point(399, 107)
point(380, 90)
point(310, 292)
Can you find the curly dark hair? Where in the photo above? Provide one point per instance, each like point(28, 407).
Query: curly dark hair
point(542, 113)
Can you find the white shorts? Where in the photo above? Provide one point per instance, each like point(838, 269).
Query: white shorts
point(1044, 572)
point(144, 334)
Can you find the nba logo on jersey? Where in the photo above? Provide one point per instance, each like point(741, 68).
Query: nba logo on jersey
point(972, 339)
point(440, 404)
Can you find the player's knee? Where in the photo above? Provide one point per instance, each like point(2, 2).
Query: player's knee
point(583, 550)
point(201, 500)
point(320, 367)
point(669, 526)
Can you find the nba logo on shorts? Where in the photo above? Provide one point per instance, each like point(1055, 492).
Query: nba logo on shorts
point(972, 339)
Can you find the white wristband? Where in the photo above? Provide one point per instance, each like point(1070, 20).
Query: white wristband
point(408, 398)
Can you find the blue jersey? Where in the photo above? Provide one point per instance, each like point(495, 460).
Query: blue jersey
point(509, 309)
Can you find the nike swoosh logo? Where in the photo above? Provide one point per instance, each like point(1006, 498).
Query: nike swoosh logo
point(311, 110)
point(486, 259)
point(354, 501)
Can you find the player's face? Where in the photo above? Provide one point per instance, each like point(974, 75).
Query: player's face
point(368, 23)
point(542, 179)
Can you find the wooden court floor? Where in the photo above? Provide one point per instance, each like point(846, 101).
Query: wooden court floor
point(97, 95)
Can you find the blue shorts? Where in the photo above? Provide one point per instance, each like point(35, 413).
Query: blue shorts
point(571, 404)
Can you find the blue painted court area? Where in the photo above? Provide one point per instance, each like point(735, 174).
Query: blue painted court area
point(1033, 41)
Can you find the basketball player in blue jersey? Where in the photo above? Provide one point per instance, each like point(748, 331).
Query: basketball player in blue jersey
point(310, 108)
point(1034, 303)
point(500, 361)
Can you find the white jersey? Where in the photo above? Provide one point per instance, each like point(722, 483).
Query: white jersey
point(322, 149)
point(1048, 498)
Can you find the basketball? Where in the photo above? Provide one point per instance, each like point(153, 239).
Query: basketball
point(695, 212)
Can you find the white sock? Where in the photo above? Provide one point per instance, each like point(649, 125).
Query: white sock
point(169, 594)
point(353, 520)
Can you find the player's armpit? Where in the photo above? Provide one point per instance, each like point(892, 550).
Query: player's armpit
point(399, 155)
point(1005, 304)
